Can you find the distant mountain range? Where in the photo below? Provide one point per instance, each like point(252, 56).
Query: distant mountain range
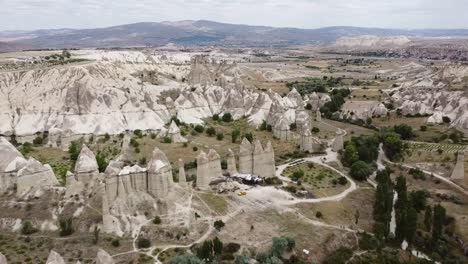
point(199, 32)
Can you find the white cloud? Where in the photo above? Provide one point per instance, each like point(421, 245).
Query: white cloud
point(34, 14)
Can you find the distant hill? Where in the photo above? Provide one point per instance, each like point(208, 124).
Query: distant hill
point(201, 32)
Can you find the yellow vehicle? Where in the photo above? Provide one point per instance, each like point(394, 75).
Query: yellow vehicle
point(242, 193)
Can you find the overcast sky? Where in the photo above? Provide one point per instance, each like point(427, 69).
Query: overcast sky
point(40, 14)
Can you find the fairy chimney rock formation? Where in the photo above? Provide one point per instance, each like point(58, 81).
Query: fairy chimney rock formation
point(86, 166)
point(246, 157)
point(281, 130)
point(104, 258)
point(10, 163)
point(302, 117)
point(318, 116)
point(263, 160)
point(208, 168)
point(308, 142)
point(159, 174)
point(314, 101)
point(256, 160)
point(458, 173)
point(3, 259)
point(55, 258)
point(34, 176)
point(231, 163)
point(338, 142)
point(182, 176)
point(174, 133)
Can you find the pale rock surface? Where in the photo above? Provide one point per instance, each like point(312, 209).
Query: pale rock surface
point(263, 160)
point(182, 176)
point(231, 163)
point(3, 259)
point(338, 142)
point(363, 109)
point(160, 179)
point(73, 186)
point(10, 163)
point(458, 173)
point(174, 133)
point(55, 258)
point(308, 142)
point(302, 118)
point(246, 157)
point(423, 91)
point(104, 258)
point(35, 176)
point(318, 115)
point(281, 130)
point(113, 95)
point(208, 168)
point(86, 167)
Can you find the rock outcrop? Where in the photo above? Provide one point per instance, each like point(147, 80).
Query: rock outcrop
point(256, 160)
point(10, 163)
point(281, 130)
point(55, 258)
point(231, 163)
point(245, 157)
point(34, 176)
point(302, 118)
point(263, 160)
point(182, 176)
point(308, 142)
point(318, 116)
point(458, 173)
point(29, 176)
point(338, 142)
point(160, 179)
point(208, 168)
point(104, 258)
point(86, 167)
point(174, 133)
point(3, 259)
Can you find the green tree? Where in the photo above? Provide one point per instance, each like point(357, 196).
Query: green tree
point(218, 224)
point(205, 251)
point(438, 223)
point(102, 162)
point(66, 226)
point(412, 225)
point(428, 218)
point(219, 136)
point(157, 220)
point(401, 209)
point(242, 260)
point(360, 170)
point(211, 131)
point(249, 137)
point(217, 246)
point(74, 150)
point(350, 154)
point(393, 146)
point(215, 117)
point(383, 204)
point(419, 199)
point(27, 228)
point(143, 242)
point(235, 135)
point(227, 117)
point(199, 128)
point(405, 131)
point(96, 232)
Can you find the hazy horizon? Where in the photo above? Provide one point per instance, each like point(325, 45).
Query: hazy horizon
point(306, 14)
